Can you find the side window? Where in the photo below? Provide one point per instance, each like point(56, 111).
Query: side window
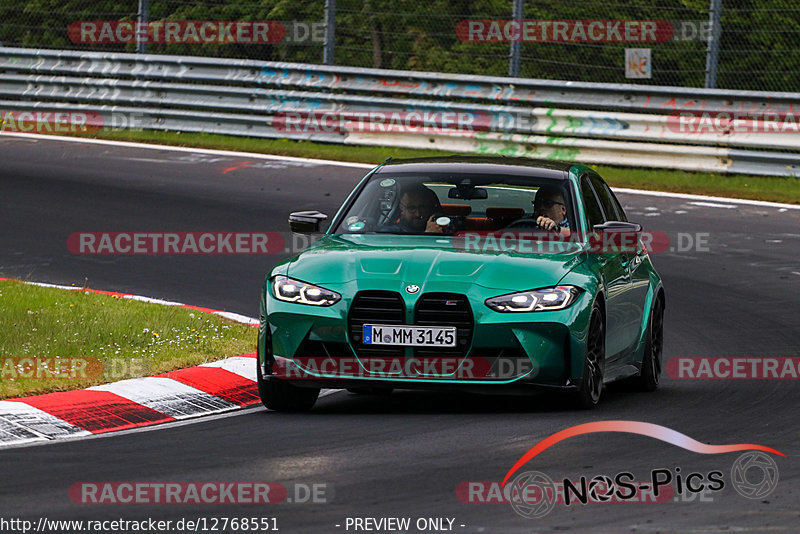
point(622, 216)
point(606, 199)
point(590, 204)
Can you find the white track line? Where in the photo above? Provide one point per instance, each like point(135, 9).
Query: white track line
point(687, 196)
point(214, 152)
point(253, 155)
point(238, 318)
point(56, 286)
point(150, 300)
point(713, 205)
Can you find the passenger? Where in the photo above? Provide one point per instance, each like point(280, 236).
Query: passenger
point(419, 208)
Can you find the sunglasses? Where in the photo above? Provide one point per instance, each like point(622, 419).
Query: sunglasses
point(549, 203)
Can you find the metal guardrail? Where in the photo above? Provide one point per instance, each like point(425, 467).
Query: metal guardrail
point(595, 123)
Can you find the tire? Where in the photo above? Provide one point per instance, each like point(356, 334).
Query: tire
point(591, 387)
point(284, 397)
point(653, 349)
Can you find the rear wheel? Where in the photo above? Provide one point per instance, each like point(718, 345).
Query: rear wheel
point(651, 362)
point(588, 394)
point(284, 397)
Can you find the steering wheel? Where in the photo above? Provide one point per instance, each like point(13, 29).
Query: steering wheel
point(525, 222)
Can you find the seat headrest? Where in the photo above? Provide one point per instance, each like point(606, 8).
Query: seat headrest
point(456, 210)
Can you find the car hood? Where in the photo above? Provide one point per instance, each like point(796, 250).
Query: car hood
point(392, 261)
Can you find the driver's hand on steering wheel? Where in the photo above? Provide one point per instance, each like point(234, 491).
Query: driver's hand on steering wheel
point(547, 223)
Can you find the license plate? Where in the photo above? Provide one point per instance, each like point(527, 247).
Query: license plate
point(410, 336)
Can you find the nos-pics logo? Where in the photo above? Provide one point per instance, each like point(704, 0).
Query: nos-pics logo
point(533, 494)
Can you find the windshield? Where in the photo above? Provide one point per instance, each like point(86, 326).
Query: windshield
point(443, 203)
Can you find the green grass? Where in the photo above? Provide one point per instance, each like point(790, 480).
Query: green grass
point(55, 340)
point(774, 189)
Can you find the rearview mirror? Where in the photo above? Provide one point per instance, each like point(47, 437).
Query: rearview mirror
point(306, 222)
point(475, 193)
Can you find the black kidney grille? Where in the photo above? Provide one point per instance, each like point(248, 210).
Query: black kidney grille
point(445, 309)
point(375, 307)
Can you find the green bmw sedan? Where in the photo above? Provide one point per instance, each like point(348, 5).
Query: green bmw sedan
point(490, 275)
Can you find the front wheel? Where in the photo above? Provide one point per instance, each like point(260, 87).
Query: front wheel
point(588, 394)
point(284, 397)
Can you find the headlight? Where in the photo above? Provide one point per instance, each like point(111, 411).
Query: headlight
point(551, 298)
point(289, 290)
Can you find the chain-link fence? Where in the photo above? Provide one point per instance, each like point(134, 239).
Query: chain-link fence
point(756, 44)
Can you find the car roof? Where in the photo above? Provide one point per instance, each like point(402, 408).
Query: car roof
point(553, 170)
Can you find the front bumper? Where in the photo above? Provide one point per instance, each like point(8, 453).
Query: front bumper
point(312, 347)
point(521, 387)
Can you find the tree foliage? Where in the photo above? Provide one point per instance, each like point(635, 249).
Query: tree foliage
point(759, 42)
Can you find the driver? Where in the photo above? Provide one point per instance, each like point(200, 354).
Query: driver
point(550, 210)
point(419, 207)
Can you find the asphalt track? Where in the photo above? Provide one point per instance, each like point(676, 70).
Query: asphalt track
point(402, 455)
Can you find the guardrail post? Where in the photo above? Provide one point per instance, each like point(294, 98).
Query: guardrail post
point(330, 31)
point(516, 44)
point(144, 16)
point(714, 33)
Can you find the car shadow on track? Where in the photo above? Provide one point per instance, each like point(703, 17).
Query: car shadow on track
point(442, 402)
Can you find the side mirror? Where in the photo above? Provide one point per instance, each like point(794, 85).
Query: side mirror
point(306, 222)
